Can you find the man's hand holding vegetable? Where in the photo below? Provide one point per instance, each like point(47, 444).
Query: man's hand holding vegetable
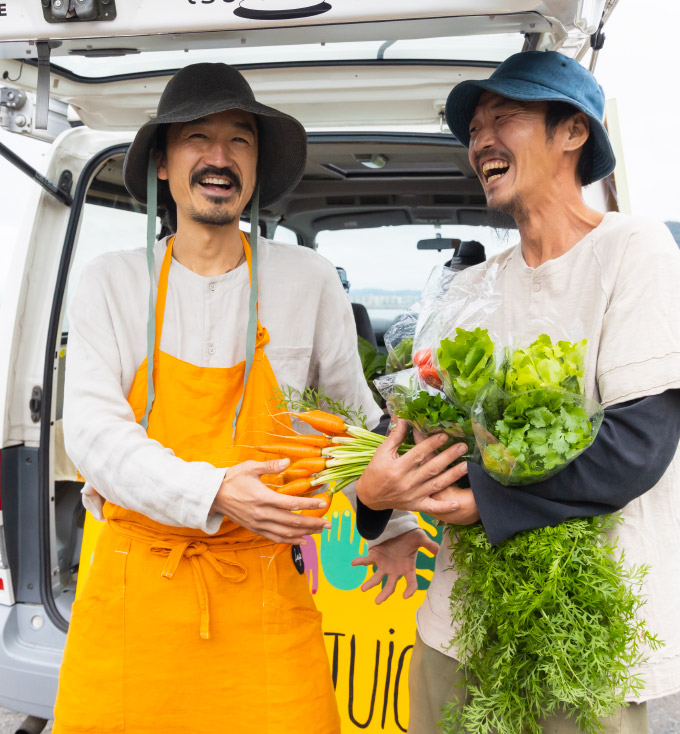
point(247, 501)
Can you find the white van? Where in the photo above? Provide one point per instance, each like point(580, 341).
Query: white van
point(369, 81)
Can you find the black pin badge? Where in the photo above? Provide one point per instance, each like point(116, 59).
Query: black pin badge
point(298, 560)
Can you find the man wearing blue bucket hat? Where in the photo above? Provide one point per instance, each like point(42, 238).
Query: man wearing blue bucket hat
point(535, 136)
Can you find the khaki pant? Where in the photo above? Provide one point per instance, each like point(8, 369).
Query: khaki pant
point(434, 679)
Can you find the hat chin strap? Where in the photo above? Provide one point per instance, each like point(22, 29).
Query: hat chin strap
point(151, 211)
point(251, 332)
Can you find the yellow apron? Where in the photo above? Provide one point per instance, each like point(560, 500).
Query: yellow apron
point(178, 631)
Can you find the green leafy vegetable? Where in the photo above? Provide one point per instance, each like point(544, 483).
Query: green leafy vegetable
point(372, 363)
point(538, 432)
point(432, 411)
point(547, 621)
point(544, 364)
point(400, 356)
point(466, 364)
point(434, 414)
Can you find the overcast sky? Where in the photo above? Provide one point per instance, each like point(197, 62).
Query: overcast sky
point(638, 67)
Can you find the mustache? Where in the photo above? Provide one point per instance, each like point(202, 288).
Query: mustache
point(489, 154)
point(212, 171)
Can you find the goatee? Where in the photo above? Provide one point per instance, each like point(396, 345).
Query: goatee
point(507, 214)
point(213, 218)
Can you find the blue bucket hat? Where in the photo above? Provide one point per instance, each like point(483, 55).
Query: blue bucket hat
point(538, 76)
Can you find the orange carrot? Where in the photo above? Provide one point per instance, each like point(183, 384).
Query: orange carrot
point(322, 421)
point(275, 480)
point(296, 474)
point(314, 464)
point(327, 498)
point(293, 451)
point(309, 440)
point(296, 488)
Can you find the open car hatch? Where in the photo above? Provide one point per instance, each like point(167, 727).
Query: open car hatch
point(330, 64)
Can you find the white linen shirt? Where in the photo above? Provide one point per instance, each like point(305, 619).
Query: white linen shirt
point(619, 287)
point(312, 342)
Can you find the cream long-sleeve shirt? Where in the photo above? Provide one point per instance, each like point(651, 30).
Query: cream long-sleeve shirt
point(313, 342)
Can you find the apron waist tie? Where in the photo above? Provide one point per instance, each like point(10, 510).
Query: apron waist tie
point(228, 568)
point(221, 556)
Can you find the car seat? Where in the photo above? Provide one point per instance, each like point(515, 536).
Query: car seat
point(363, 322)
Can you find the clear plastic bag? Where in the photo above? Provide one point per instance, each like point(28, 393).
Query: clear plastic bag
point(469, 300)
point(427, 410)
point(399, 341)
point(525, 406)
point(528, 436)
point(400, 335)
point(535, 418)
point(518, 400)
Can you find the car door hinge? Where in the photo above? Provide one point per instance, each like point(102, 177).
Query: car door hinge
point(35, 403)
point(65, 182)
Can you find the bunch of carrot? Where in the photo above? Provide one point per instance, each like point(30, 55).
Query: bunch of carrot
point(336, 455)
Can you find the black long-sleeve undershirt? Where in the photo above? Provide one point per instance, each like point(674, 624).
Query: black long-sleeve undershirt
point(633, 448)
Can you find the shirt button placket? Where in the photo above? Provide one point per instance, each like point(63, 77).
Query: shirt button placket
point(210, 308)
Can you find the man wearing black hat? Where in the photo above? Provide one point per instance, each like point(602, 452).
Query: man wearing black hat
point(196, 615)
point(535, 136)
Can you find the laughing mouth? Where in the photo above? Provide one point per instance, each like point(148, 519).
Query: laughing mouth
point(494, 169)
point(216, 183)
point(220, 182)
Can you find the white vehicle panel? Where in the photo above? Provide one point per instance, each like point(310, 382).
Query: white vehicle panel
point(25, 303)
point(25, 21)
point(327, 96)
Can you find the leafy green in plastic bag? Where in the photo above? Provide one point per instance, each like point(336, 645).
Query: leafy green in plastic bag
point(544, 364)
point(540, 431)
point(466, 364)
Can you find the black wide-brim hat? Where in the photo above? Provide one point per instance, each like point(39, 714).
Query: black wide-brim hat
point(200, 90)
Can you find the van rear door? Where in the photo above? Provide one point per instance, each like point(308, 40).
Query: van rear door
point(107, 73)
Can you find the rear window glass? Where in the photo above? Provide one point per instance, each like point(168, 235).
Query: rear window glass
point(386, 271)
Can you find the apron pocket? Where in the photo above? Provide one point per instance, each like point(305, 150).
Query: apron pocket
point(300, 695)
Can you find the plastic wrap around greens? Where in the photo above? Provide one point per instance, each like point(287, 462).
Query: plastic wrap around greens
point(524, 410)
point(399, 342)
point(426, 410)
point(399, 337)
point(539, 420)
point(529, 436)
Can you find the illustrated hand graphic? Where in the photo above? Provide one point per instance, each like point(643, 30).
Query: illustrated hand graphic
point(396, 558)
point(423, 561)
point(311, 561)
point(339, 546)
